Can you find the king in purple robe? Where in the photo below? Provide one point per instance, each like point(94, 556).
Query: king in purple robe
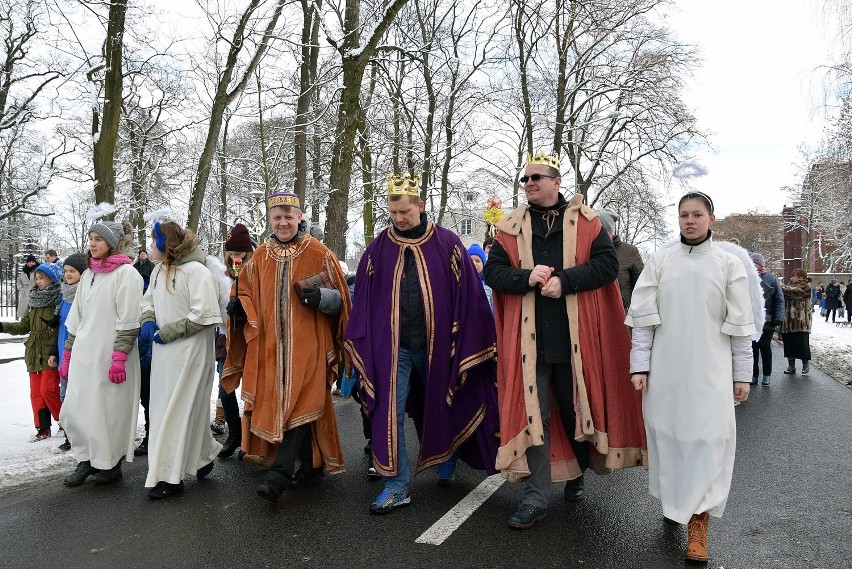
point(422, 339)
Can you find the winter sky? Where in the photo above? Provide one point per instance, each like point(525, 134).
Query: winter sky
point(759, 92)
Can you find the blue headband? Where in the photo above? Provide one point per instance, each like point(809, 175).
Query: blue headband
point(161, 239)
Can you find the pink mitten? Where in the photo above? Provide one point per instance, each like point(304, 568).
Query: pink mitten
point(66, 363)
point(116, 370)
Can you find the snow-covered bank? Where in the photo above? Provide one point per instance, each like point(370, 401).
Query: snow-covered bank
point(831, 349)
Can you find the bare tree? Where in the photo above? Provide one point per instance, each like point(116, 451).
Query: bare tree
point(355, 52)
point(227, 92)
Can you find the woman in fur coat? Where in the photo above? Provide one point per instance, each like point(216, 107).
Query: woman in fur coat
point(796, 327)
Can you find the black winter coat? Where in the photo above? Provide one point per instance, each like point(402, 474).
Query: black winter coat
point(832, 296)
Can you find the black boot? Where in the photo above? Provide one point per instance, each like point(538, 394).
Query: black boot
point(83, 471)
point(234, 440)
point(44, 419)
point(107, 476)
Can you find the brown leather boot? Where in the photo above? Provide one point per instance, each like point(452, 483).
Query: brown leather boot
point(696, 547)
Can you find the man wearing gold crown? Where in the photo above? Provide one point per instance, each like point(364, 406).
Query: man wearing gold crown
point(422, 340)
point(293, 344)
point(558, 312)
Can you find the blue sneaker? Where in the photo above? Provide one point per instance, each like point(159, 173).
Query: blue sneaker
point(387, 501)
point(765, 380)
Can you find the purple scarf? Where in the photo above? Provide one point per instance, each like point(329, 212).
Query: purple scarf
point(109, 264)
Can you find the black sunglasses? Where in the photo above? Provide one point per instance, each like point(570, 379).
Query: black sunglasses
point(535, 177)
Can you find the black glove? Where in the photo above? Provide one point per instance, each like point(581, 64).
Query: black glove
point(311, 297)
point(769, 327)
point(52, 323)
point(235, 309)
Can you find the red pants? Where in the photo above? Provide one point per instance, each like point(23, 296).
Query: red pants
point(44, 392)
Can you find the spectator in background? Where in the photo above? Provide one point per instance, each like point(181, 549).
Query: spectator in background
point(25, 283)
point(630, 262)
point(486, 244)
point(796, 328)
point(832, 299)
point(479, 258)
point(317, 232)
point(847, 300)
point(50, 256)
point(145, 266)
point(774, 306)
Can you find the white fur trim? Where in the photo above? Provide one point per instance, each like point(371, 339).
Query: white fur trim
point(220, 273)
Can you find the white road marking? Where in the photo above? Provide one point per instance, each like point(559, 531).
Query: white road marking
point(450, 522)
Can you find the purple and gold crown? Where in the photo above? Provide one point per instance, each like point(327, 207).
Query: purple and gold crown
point(283, 199)
point(544, 159)
point(405, 185)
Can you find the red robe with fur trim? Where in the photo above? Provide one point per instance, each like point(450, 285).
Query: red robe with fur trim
point(607, 407)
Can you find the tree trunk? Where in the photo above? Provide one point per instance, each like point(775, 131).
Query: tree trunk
point(307, 90)
point(355, 57)
point(106, 134)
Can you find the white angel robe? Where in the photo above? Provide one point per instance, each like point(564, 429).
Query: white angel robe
point(695, 299)
point(99, 417)
point(182, 373)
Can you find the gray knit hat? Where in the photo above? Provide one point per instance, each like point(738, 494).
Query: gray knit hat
point(77, 260)
point(110, 231)
point(608, 220)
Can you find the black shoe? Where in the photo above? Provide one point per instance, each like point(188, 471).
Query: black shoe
point(789, 371)
point(165, 490)
point(373, 474)
point(527, 516)
point(66, 446)
point(806, 368)
point(142, 449)
point(107, 476)
point(270, 491)
point(234, 440)
point(305, 476)
point(202, 472)
point(574, 489)
point(83, 471)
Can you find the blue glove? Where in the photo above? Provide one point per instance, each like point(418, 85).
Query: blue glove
point(148, 329)
point(158, 340)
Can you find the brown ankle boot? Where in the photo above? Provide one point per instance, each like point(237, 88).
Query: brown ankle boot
point(696, 547)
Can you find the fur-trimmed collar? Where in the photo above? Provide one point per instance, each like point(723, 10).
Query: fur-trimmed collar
point(186, 248)
point(513, 222)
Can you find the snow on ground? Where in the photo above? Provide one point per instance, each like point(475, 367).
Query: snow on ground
point(23, 461)
point(831, 349)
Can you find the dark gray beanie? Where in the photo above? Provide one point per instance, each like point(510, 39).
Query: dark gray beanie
point(110, 231)
point(77, 260)
point(608, 220)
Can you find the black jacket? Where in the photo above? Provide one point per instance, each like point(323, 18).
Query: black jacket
point(412, 318)
point(832, 296)
point(551, 314)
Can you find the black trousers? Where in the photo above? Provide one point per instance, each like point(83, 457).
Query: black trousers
point(762, 349)
point(296, 444)
point(145, 395)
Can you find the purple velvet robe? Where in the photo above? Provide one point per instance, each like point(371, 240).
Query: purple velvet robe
point(455, 407)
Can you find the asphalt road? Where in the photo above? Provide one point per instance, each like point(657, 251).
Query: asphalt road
point(790, 506)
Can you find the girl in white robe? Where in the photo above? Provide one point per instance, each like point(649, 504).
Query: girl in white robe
point(180, 311)
point(101, 361)
point(692, 322)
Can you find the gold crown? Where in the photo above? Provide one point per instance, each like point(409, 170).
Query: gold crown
point(283, 199)
point(405, 185)
point(543, 158)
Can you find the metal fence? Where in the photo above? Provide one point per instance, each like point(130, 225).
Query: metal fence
point(9, 289)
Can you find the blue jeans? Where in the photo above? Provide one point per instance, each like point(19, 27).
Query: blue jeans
point(408, 360)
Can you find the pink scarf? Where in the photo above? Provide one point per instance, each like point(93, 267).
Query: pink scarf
point(109, 264)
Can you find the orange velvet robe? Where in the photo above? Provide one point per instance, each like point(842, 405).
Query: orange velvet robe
point(287, 370)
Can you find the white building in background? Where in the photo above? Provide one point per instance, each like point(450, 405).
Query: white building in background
point(468, 201)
